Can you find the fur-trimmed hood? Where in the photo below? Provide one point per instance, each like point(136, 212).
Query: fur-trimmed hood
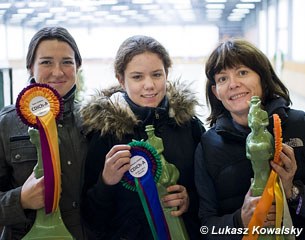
point(108, 111)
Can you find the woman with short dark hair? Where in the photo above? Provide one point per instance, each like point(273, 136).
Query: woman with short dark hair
point(236, 70)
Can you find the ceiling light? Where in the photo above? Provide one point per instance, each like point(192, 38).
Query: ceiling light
point(57, 9)
point(142, 1)
point(15, 20)
point(37, 4)
point(108, 2)
point(119, 8)
point(45, 15)
point(19, 15)
point(73, 14)
point(19, 4)
point(140, 17)
point(5, 5)
point(182, 6)
point(215, 11)
point(25, 10)
point(216, 1)
point(112, 17)
point(88, 8)
point(150, 7)
point(234, 19)
point(241, 10)
point(215, 6)
point(156, 12)
point(237, 15)
point(250, 0)
point(245, 5)
point(129, 13)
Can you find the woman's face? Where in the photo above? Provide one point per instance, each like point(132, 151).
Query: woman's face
point(55, 65)
point(234, 88)
point(145, 80)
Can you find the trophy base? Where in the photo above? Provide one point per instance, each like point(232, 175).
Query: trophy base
point(48, 227)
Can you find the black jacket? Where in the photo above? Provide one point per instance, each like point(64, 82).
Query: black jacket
point(113, 212)
point(223, 172)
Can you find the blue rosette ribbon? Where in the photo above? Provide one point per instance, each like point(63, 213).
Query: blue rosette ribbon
point(142, 177)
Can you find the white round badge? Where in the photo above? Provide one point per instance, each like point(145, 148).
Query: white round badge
point(39, 106)
point(139, 166)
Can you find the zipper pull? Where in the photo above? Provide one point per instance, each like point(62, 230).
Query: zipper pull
point(156, 115)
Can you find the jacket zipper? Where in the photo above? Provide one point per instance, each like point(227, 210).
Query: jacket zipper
point(156, 115)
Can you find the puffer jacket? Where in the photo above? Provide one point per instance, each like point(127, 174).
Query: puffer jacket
point(114, 212)
point(223, 173)
point(17, 159)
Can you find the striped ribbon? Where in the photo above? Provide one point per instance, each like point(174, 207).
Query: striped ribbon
point(148, 193)
point(51, 161)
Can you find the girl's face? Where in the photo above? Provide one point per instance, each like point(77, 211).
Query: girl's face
point(234, 88)
point(145, 80)
point(55, 65)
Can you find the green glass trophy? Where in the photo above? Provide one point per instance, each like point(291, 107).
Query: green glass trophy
point(169, 176)
point(259, 149)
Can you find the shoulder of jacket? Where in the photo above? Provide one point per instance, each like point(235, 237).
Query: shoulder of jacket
point(7, 110)
point(109, 114)
point(182, 101)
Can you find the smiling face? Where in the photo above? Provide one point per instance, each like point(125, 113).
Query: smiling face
point(55, 65)
point(144, 80)
point(234, 88)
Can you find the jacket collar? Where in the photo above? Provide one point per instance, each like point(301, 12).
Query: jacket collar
point(68, 103)
point(148, 114)
point(112, 113)
point(225, 125)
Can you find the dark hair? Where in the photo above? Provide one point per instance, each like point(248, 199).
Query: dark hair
point(232, 53)
point(50, 33)
point(136, 45)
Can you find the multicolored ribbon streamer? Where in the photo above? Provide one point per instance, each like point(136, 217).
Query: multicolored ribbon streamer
point(38, 106)
point(148, 193)
point(149, 169)
point(51, 161)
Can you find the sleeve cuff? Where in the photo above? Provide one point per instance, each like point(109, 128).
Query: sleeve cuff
point(238, 223)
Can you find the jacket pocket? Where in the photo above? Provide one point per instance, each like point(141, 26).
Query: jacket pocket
point(22, 150)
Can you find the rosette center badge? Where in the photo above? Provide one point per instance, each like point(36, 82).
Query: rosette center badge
point(139, 166)
point(39, 106)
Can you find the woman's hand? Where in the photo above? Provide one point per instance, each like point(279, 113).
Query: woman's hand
point(116, 164)
point(287, 169)
point(177, 197)
point(248, 208)
point(270, 218)
point(32, 193)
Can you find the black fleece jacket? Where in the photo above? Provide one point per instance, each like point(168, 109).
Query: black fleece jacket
point(223, 172)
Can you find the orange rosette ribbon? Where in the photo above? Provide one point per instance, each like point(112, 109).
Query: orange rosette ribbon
point(38, 106)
